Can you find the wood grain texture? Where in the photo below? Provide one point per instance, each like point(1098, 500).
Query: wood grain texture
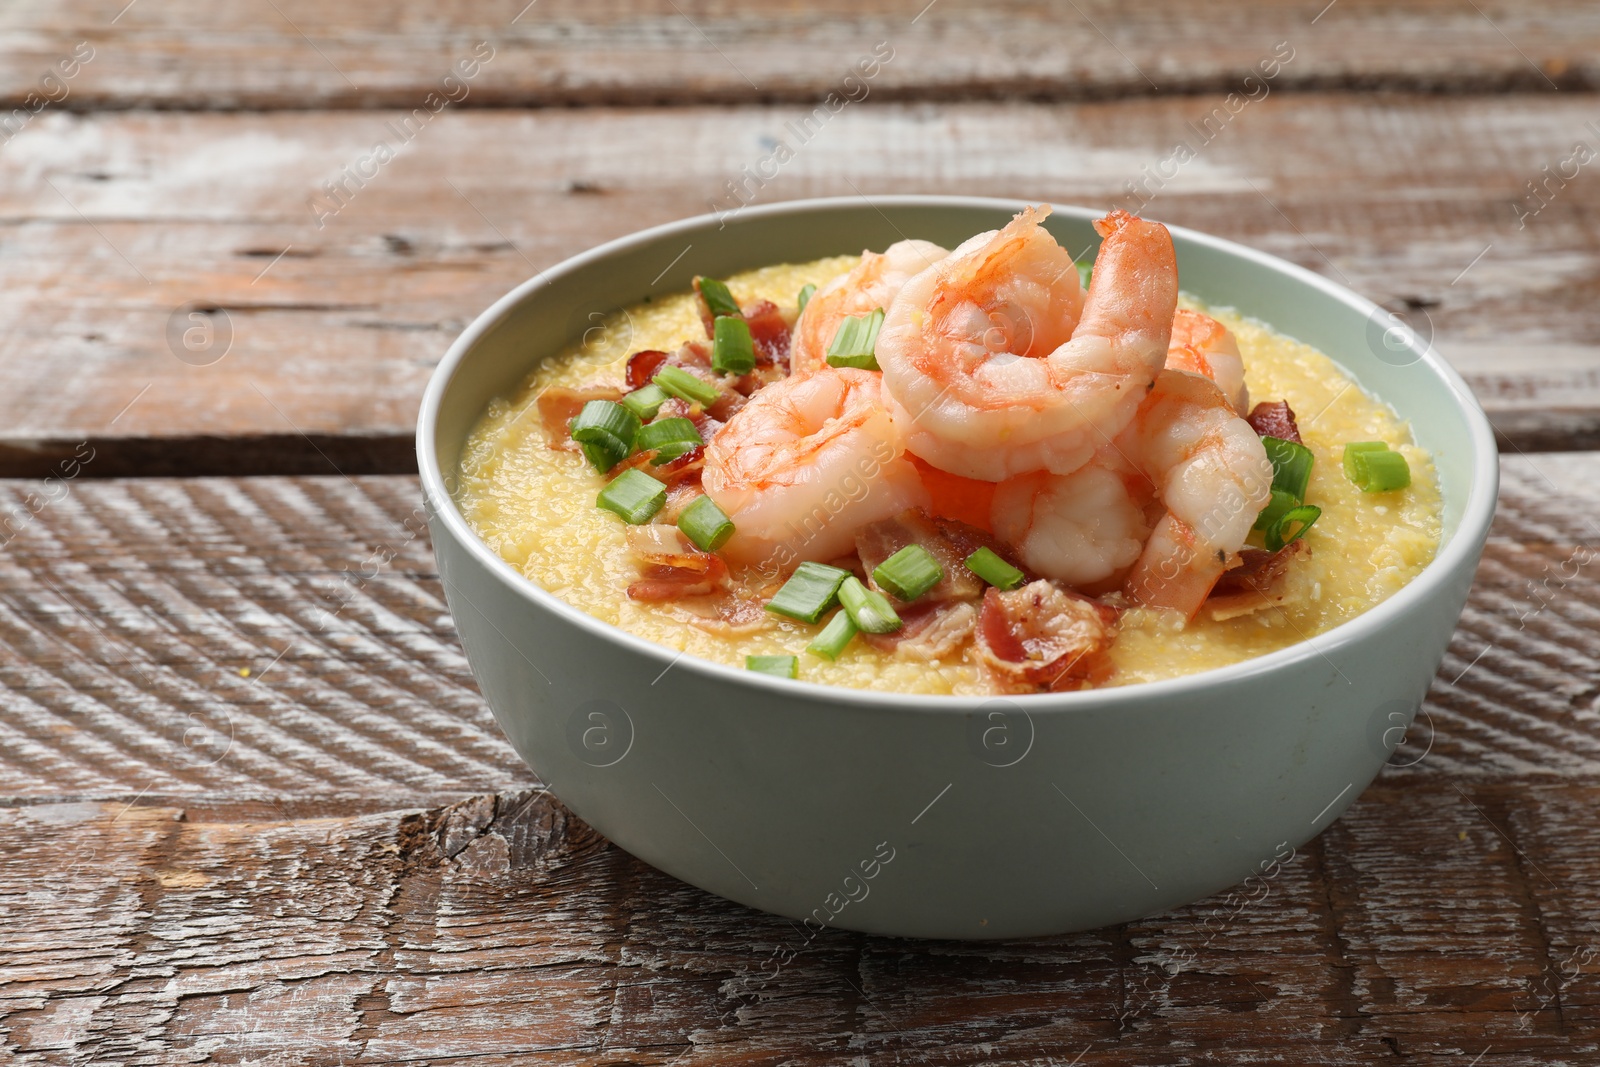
point(188, 54)
point(129, 608)
point(1435, 923)
point(334, 330)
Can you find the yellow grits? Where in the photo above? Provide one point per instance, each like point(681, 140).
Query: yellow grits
point(535, 506)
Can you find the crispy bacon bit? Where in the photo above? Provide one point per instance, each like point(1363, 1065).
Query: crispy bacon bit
point(680, 496)
point(1044, 637)
point(1257, 582)
point(880, 540)
point(642, 366)
point(1274, 418)
point(930, 633)
point(558, 406)
point(729, 615)
point(670, 567)
point(769, 334)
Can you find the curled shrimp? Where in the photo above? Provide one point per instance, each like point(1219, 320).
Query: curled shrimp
point(873, 283)
point(805, 464)
point(1202, 345)
point(991, 369)
point(1162, 510)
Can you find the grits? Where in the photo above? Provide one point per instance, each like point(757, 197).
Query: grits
point(535, 507)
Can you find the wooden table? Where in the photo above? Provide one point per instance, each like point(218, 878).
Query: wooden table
point(255, 810)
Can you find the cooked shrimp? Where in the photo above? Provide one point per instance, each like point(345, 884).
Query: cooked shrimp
point(872, 283)
point(989, 366)
point(807, 462)
point(1186, 461)
point(1202, 345)
point(1211, 475)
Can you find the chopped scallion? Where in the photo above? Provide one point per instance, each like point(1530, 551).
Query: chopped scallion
point(805, 295)
point(731, 349)
point(1276, 508)
point(633, 495)
point(716, 296)
point(668, 438)
point(1085, 272)
point(856, 342)
point(1290, 526)
point(869, 609)
point(645, 401)
point(1375, 468)
point(707, 525)
point(809, 592)
point(988, 565)
point(830, 643)
point(908, 573)
point(606, 431)
point(685, 386)
point(1291, 465)
point(777, 666)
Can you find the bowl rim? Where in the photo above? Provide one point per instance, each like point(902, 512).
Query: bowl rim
point(1461, 550)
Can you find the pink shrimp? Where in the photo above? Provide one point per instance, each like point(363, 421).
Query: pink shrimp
point(1202, 345)
point(873, 283)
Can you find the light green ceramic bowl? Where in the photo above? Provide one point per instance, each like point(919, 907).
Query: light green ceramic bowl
point(946, 816)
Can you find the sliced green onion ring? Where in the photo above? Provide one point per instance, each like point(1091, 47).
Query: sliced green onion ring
point(1085, 273)
point(856, 341)
point(716, 296)
point(1352, 457)
point(988, 565)
point(908, 573)
point(732, 351)
point(1291, 526)
point(1384, 471)
point(1291, 465)
point(668, 438)
point(806, 292)
point(707, 525)
point(645, 401)
point(685, 386)
point(634, 496)
point(809, 592)
point(1276, 509)
point(606, 430)
point(869, 609)
point(777, 666)
point(831, 642)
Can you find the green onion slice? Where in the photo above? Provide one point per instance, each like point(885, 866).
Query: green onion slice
point(1085, 272)
point(1352, 457)
point(1291, 525)
point(633, 495)
point(1276, 508)
point(777, 666)
point(988, 565)
point(707, 525)
point(645, 401)
point(806, 292)
point(732, 351)
point(809, 592)
point(856, 341)
point(716, 296)
point(606, 431)
point(1291, 465)
point(830, 643)
point(685, 386)
point(869, 609)
point(668, 438)
point(908, 573)
point(1383, 471)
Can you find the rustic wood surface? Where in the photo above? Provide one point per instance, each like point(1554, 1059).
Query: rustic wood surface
point(255, 809)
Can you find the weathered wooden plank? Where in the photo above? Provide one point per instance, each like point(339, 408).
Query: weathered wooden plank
point(504, 929)
point(334, 329)
point(300, 54)
point(128, 610)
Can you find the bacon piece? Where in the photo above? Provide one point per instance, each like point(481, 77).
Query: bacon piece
point(878, 541)
point(769, 334)
point(728, 616)
point(1258, 581)
point(1042, 636)
point(671, 568)
point(1274, 418)
point(642, 366)
point(929, 632)
point(558, 406)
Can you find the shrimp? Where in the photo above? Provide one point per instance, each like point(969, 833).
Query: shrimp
point(1162, 510)
point(991, 369)
point(805, 464)
point(872, 283)
point(1202, 345)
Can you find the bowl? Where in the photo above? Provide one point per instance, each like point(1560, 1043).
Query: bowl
point(930, 816)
